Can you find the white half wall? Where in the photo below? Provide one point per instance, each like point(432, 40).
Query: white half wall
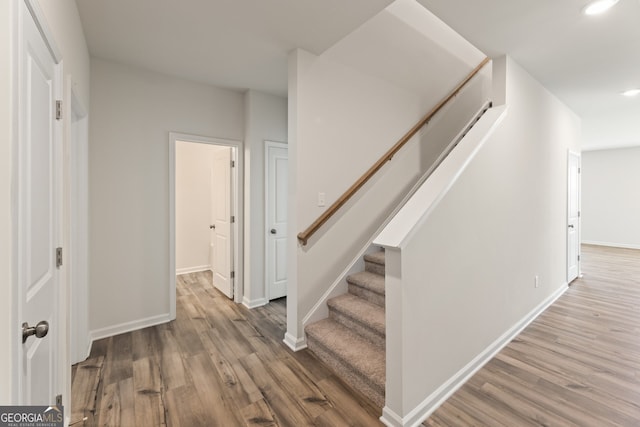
point(463, 282)
point(132, 113)
point(611, 197)
point(265, 120)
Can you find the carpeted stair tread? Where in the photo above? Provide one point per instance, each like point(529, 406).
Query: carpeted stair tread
point(374, 263)
point(375, 257)
point(365, 361)
point(370, 281)
point(363, 312)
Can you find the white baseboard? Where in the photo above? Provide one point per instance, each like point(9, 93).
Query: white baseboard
point(610, 244)
point(432, 402)
point(128, 327)
point(295, 344)
point(254, 303)
point(196, 269)
point(88, 349)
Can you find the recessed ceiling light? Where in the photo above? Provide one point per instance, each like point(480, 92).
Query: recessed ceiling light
point(631, 92)
point(599, 6)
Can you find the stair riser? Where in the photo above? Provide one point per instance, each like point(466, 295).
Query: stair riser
point(374, 268)
point(363, 330)
point(347, 373)
point(361, 292)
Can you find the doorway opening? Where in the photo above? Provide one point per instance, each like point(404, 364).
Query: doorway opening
point(573, 216)
point(205, 212)
point(275, 214)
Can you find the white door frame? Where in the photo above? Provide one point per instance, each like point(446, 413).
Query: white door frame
point(78, 227)
point(61, 371)
point(237, 205)
point(577, 225)
point(267, 226)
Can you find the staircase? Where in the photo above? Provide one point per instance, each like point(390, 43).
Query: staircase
point(351, 341)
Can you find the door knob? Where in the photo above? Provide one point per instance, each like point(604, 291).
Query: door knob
point(570, 225)
point(40, 330)
point(273, 231)
point(212, 227)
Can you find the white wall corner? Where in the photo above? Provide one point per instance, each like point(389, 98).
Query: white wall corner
point(295, 344)
point(251, 304)
point(390, 418)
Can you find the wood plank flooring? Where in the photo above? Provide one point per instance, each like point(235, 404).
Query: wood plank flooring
point(577, 364)
point(218, 364)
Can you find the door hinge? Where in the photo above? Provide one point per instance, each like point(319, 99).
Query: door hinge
point(233, 163)
point(59, 400)
point(58, 257)
point(233, 219)
point(579, 170)
point(578, 257)
point(58, 110)
point(233, 275)
point(578, 214)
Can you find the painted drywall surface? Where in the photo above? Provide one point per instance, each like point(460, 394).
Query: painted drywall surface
point(132, 113)
point(610, 131)
point(193, 205)
point(265, 120)
point(6, 118)
point(611, 197)
point(348, 114)
point(467, 275)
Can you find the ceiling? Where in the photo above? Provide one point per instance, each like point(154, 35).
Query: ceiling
point(243, 44)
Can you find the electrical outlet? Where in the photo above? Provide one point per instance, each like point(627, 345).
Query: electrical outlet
point(321, 199)
point(536, 281)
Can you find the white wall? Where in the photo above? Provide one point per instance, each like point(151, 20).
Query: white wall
point(611, 197)
point(6, 117)
point(265, 120)
point(132, 113)
point(466, 275)
point(194, 164)
point(352, 105)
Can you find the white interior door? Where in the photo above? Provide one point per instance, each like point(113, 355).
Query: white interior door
point(38, 215)
point(276, 219)
point(573, 220)
point(222, 262)
point(212, 226)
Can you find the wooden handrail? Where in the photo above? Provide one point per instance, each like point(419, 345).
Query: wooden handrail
point(304, 236)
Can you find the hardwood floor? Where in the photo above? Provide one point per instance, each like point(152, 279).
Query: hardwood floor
point(218, 364)
point(578, 364)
